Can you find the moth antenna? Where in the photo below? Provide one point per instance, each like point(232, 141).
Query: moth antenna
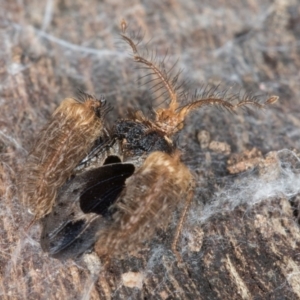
point(162, 76)
point(273, 99)
point(170, 119)
point(123, 26)
point(248, 101)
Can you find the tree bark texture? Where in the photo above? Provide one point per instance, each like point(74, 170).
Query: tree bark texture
point(241, 236)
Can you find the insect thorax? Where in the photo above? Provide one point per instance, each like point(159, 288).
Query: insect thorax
point(139, 138)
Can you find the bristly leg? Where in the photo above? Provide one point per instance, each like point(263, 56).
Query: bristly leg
point(181, 222)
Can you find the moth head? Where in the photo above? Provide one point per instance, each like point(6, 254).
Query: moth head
point(169, 120)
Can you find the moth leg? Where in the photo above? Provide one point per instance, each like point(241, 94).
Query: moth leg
point(151, 195)
point(181, 223)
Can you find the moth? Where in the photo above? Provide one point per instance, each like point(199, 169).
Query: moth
point(104, 189)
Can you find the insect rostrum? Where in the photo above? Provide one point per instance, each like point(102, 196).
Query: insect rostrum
point(111, 189)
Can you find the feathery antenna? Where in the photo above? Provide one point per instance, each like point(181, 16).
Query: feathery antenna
point(170, 119)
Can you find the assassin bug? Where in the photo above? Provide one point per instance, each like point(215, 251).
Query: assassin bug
point(111, 189)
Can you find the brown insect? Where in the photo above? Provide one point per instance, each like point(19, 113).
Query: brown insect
point(111, 189)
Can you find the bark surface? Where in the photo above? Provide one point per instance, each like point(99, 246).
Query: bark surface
point(241, 237)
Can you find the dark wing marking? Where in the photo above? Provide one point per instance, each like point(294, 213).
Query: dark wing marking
point(69, 230)
point(65, 236)
point(112, 159)
point(73, 238)
point(103, 186)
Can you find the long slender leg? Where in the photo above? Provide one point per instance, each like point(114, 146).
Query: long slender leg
point(181, 223)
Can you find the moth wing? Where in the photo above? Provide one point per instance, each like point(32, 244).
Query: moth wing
point(81, 210)
point(103, 186)
point(97, 150)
